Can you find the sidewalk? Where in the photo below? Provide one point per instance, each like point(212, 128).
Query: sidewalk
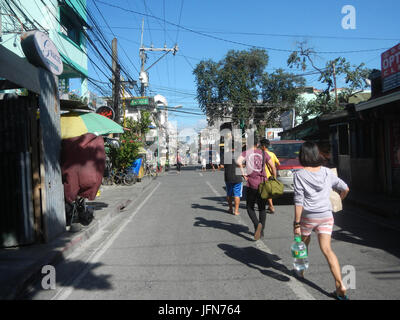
point(382, 210)
point(385, 206)
point(19, 267)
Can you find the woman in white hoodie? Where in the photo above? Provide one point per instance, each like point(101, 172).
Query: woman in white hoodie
point(313, 209)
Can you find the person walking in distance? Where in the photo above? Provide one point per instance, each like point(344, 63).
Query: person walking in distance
point(313, 209)
point(265, 144)
point(217, 160)
point(178, 162)
point(234, 185)
point(254, 175)
point(203, 163)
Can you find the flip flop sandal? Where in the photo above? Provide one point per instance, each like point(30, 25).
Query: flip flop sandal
point(338, 297)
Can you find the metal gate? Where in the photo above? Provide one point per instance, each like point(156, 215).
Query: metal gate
point(17, 222)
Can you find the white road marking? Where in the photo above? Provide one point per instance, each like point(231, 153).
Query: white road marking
point(200, 174)
point(297, 287)
point(64, 293)
point(213, 190)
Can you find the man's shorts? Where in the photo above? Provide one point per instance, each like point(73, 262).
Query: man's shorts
point(319, 225)
point(234, 189)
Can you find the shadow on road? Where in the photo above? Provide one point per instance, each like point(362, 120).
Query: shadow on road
point(234, 228)
point(263, 261)
point(209, 208)
point(285, 200)
point(91, 281)
point(74, 270)
point(362, 232)
point(221, 200)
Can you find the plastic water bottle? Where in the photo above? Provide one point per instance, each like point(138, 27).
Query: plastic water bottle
point(299, 254)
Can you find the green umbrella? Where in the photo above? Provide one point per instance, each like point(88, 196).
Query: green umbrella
point(74, 124)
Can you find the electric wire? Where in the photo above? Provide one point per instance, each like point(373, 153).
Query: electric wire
point(276, 34)
point(236, 42)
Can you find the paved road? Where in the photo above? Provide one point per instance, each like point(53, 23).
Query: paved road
point(181, 243)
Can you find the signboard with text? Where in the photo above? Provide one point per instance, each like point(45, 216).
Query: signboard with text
point(390, 64)
point(41, 51)
point(272, 133)
point(107, 112)
point(141, 102)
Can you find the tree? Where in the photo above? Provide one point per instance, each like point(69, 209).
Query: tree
point(280, 91)
point(353, 76)
point(142, 126)
point(232, 85)
point(207, 74)
point(130, 142)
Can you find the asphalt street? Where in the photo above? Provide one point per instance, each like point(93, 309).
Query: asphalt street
point(180, 242)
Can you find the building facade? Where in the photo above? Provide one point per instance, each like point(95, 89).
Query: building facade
point(65, 22)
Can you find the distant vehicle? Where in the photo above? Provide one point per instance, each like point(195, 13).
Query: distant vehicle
point(287, 152)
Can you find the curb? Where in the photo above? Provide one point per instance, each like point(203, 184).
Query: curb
point(26, 280)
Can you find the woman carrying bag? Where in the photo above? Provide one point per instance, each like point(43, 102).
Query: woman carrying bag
point(313, 209)
point(264, 146)
point(254, 175)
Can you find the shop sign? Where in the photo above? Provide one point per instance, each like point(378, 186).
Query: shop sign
point(390, 67)
point(41, 51)
point(273, 133)
point(141, 102)
point(106, 111)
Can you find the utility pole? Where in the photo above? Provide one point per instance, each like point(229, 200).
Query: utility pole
point(1, 26)
point(123, 103)
point(334, 81)
point(144, 77)
point(115, 79)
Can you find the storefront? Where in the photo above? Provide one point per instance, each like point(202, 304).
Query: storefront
point(379, 138)
point(30, 146)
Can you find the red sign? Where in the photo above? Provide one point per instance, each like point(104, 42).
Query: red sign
point(106, 111)
point(390, 61)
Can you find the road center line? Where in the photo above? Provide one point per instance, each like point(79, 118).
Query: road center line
point(64, 293)
point(213, 189)
point(297, 287)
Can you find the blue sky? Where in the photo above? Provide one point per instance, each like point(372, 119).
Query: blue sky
point(263, 23)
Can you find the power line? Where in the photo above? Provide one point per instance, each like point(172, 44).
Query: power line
point(179, 21)
point(236, 42)
point(103, 41)
point(115, 36)
point(277, 34)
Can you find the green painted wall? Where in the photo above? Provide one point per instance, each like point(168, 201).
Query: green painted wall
point(48, 16)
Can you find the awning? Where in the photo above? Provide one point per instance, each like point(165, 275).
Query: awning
point(378, 101)
point(72, 69)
